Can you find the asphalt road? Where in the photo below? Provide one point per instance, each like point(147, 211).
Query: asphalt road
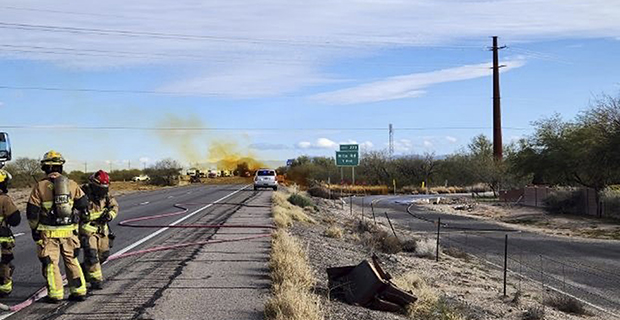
point(587, 269)
point(27, 276)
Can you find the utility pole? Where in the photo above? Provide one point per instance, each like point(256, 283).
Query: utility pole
point(497, 116)
point(85, 166)
point(128, 164)
point(391, 141)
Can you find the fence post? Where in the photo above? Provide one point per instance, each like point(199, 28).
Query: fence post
point(390, 222)
point(372, 209)
point(505, 262)
point(363, 197)
point(351, 203)
point(437, 249)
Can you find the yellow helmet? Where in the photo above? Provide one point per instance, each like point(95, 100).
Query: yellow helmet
point(53, 158)
point(4, 176)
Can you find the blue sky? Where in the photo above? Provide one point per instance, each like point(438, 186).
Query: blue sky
point(293, 66)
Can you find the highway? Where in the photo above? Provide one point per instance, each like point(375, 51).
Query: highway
point(28, 278)
point(584, 268)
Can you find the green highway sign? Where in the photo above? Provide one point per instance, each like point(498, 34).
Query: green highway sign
point(350, 147)
point(347, 158)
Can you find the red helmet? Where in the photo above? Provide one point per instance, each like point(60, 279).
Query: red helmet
point(100, 179)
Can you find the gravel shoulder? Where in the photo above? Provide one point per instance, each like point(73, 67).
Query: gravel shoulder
point(466, 283)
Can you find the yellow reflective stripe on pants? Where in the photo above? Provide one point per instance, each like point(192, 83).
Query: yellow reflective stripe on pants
point(96, 275)
point(52, 289)
point(7, 239)
point(7, 287)
point(112, 214)
point(81, 290)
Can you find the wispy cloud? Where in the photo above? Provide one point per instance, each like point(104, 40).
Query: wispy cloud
point(269, 146)
point(325, 143)
point(451, 139)
point(234, 48)
point(411, 85)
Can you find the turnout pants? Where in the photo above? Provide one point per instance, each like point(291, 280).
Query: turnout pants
point(50, 251)
point(96, 251)
point(6, 267)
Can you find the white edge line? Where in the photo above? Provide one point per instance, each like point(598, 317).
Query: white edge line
point(154, 234)
point(158, 232)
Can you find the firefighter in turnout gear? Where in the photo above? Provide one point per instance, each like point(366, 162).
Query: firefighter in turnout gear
point(95, 233)
point(54, 209)
point(9, 217)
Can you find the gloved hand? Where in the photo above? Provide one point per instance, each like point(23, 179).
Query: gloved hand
point(36, 235)
point(5, 231)
point(105, 216)
point(85, 215)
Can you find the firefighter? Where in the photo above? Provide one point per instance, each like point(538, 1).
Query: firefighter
point(53, 211)
point(95, 234)
point(9, 217)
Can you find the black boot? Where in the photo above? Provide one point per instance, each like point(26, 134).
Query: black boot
point(96, 285)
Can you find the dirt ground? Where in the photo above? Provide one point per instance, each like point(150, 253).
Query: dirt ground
point(536, 219)
point(468, 284)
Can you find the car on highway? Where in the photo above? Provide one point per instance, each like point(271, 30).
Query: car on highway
point(212, 173)
point(265, 178)
point(142, 177)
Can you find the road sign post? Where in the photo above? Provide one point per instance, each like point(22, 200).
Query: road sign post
point(348, 156)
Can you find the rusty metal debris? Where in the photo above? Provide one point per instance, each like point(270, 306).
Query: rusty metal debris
point(367, 285)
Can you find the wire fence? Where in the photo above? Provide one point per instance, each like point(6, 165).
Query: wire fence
point(526, 267)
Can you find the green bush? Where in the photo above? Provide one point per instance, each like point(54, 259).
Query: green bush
point(300, 201)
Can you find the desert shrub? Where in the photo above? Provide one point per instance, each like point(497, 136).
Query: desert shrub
point(565, 303)
point(164, 172)
point(409, 245)
point(611, 201)
point(333, 232)
point(534, 313)
point(284, 212)
point(300, 200)
point(320, 191)
point(390, 244)
point(429, 305)
point(563, 201)
point(456, 253)
point(425, 248)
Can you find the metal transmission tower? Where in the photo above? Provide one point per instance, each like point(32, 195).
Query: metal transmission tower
point(497, 116)
point(391, 141)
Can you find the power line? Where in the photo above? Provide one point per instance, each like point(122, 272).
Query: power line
point(145, 128)
point(112, 91)
point(193, 37)
point(151, 55)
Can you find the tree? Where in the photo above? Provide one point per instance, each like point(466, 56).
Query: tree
point(25, 172)
point(482, 165)
point(583, 152)
point(164, 172)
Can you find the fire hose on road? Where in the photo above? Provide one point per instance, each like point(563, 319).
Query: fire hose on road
point(133, 223)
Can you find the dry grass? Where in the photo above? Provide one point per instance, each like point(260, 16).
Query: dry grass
point(292, 279)
point(429, 305)
point(534, 313)
point(291, 274)
point(333, 232)
point(426, 248)
point(565, 303)
point(284, 213)
point(359, 190)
